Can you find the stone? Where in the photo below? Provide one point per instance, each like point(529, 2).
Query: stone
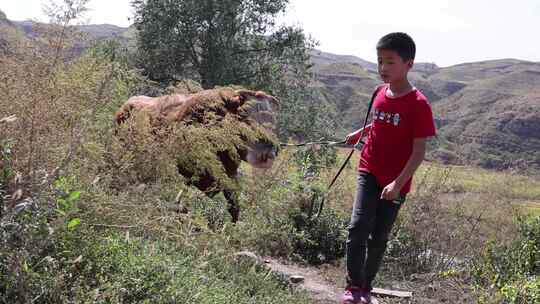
point(296, 279)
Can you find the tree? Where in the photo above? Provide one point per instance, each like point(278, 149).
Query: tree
point(223, 42)
point(217, 42)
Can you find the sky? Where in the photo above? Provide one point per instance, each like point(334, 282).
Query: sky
point(446, 32)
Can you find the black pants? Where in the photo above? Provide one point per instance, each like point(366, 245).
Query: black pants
point(371, 222)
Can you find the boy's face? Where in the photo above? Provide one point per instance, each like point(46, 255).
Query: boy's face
point(391, 66)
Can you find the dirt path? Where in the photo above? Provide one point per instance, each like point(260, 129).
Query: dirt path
point(320, 290)
point(320, 282)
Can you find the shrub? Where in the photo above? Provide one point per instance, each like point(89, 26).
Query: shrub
point(512, 271)
point(88, 266)
point(319, 240)
point(442, 228)
point(6, 171)
point(280, 213)
point(28, 233)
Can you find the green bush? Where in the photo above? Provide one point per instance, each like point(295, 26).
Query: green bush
point(84, 267)
point(525, 290)
point(314, 158)
point(295, 235)
point(281, 220)
point(512, 271)
point(407, 248)
point(6, 172)
point(212, 212)
point(315, 240)
point(319, 240)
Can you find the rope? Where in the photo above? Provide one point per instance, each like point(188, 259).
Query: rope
point(360, 142)
point(322, 142)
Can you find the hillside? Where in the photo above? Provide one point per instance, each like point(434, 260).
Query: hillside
point(3, 18)
point(487, 112)
point(91, 212)
point(495, 121)
point(348, 81)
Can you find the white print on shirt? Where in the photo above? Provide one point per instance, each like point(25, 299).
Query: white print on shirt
point(389, 118)
point(396, 119)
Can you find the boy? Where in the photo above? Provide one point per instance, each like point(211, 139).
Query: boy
point(395, 147)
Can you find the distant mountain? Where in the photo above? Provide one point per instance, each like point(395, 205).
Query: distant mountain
point(94, 31)
point(487, 113)
point(348, 82)
point(7, 32)
point(3, 17)
point(494, 121)
point(104, 31)
point(320, 58)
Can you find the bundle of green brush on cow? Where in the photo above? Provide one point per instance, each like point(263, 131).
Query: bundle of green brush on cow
point(209, 133)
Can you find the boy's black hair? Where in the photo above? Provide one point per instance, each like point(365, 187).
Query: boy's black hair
point(402, 43)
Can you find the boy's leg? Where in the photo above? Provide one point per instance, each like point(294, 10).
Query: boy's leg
point(361, 225)
point(386, 215)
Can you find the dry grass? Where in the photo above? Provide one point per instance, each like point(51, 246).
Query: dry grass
point(449, 216)
point(55, 100)
point(129, 184)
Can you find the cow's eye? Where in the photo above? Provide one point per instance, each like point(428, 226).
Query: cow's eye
point(261, 106)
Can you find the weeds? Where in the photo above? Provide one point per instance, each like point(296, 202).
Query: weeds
point(85, 219)
point(89, 266)
point(512, 271)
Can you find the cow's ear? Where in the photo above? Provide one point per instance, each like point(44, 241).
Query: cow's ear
point(240, 97)
point(120, 117)
point(232, 103)
point(245, 95)
point(259, 95)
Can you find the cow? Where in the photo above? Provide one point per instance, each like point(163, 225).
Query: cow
point(251, 111)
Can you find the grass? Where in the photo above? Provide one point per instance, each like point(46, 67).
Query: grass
point(520, 191)
point(509, 185)
point(531, 208)
point(452, 209)
point(111, 267)
point(514, 188)
point(129, 230)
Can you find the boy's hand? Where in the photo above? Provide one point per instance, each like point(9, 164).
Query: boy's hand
point(390, 192)
point(352, 138)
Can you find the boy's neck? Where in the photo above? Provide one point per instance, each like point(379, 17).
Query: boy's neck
point(400, 88)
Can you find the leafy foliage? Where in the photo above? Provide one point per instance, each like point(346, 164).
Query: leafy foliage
point(219, 43)
point(215, 42)
point(512, 271)
point(281, 222)
point(319, 240)
point(86, 266)
point(96, 224)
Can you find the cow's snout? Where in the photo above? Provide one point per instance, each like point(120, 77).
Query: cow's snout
point(262, 155)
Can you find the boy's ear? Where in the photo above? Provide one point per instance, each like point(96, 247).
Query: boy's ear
point(410, 63)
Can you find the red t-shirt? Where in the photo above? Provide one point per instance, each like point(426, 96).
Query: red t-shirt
point(395, 124)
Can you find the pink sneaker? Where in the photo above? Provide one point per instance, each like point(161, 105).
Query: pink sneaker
point(365, 297)
point(352, 295)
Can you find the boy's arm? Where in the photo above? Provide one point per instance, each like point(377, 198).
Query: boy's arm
point(352, 138)
point(391, 191)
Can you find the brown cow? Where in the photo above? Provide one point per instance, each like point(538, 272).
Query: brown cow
point(247, 109)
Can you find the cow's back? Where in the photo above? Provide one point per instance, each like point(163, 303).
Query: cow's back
point(159, 109)
point(170, 107)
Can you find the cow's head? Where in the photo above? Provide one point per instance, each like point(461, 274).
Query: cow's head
point(261, 109)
